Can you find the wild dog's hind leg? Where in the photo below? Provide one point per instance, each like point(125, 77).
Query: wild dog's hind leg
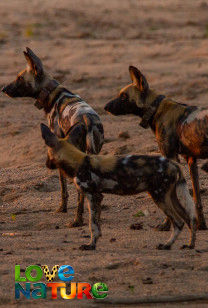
point(186, 208)
point(177, 227)
point(94, 206)
point(193, 229)
point(165, 225)
point(64, 193)
point(78, 221)
point(193, 169)
point(169, 206)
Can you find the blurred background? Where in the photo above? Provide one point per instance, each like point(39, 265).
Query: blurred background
point(88, 45)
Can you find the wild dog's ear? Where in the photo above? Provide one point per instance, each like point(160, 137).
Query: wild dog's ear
point(138, 79)
point(34, 62)
point(50, 139)
point(77, 135)
point(73, 127)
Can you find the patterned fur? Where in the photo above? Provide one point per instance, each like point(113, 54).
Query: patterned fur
point(125, 175)
point(179, 129)
point(63, 109)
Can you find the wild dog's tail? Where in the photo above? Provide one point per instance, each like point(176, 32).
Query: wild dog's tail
point(94, 136)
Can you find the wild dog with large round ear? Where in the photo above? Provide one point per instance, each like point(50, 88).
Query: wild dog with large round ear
point(125, 175)
point(63, 109)
point(180, 129)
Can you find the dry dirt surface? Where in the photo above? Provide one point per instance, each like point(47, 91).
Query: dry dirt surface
point(88, 45)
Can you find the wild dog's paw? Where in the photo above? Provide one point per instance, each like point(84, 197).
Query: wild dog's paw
point(202, 226)
point(87, 247)
point(165, 226)
point(187, 247)
point(163, 247)
point(75, 224)
point(61, 209)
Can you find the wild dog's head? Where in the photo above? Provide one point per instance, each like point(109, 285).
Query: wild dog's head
point(61, 151)
point(30, 81)
point(131, 99)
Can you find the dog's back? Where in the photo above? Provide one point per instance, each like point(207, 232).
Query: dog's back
point(193, 133)
point(181, 129)
point(69, 109)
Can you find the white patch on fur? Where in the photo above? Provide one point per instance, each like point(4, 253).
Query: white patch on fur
point(108, 184)
point(196, 115)
point(126, 159)
point(95, 178)
point(202, 114)
point(80, 109)
point(64, 93)
point(66, 111)
point(191, 117)
point(78, 183)
point(84, 184)
point(160, 169)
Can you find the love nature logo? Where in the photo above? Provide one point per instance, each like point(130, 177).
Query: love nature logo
point(31, 287)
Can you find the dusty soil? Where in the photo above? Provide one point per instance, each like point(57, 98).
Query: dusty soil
point(88, 45)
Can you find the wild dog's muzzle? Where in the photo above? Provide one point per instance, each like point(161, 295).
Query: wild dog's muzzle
point(19, 88)
point(50, 164)
point(11, 90)
point(115, 107)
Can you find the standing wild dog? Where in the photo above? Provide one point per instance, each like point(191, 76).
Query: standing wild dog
point(63, 109)
point(179, 128)
point(124, 175)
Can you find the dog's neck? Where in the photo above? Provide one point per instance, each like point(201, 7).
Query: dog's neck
point(73, 161)
point(50, 94)
point(152, 102)
point(44, 99)
point(69, 158)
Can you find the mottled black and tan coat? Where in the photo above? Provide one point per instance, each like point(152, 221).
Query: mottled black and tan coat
point(124, 175)
point(63, 109)
point(179, 129)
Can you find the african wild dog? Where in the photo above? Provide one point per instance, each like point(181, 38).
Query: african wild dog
point(179, 128)
point(125, 175)
point(63, 109)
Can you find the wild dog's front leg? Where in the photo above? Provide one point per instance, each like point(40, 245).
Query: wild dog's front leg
point(94, 205)
point(64, 193)
point(78, 221)
point(193, 169)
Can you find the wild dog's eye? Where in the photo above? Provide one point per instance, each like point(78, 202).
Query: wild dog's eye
point(20, 78)
point(124, 97)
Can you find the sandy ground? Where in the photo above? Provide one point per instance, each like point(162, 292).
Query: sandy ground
point(88, 45)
